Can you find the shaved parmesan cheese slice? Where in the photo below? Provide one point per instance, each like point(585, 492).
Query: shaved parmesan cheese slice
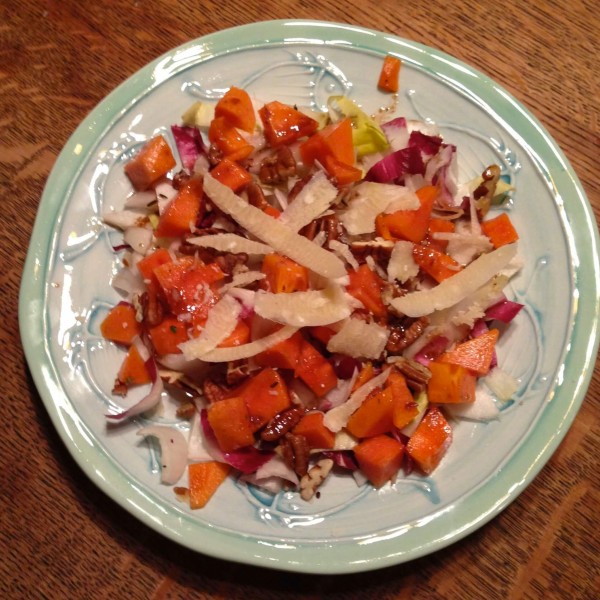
point(230, 242)
point(454, 289)
point(274, 233)
point(473, 307)
point(302, 309)
point(373, 199)
point(401, 265)
point(337, 418)
point(312, 201)
point(359, 339)
point(343, 251)
point(221, 322)
point(251, 349)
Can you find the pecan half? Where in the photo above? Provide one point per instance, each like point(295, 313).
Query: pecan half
point(295, 452)
point(402, 336)
point(153, 311)
point(278, 167)
point(417, 376)
point(280, 424)
point(329, 224)
point(379, 250)
point(256, 196)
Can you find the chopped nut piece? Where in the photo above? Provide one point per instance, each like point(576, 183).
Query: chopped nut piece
point(314, 478)
point(182, 494)
point(186, 411)
point(119, 388)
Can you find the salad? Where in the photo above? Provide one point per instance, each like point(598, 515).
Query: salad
point(317, 292)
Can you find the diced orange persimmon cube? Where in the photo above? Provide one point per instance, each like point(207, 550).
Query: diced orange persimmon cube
point(133, 370)
point(120, 325)
point(230, 422)
point(265, 394)
point(183, 212)
point(430, 441)
point(366, 286)
point(389, 76)
point(284, 355)
point(500, 230)
point(379, 458)
point(231, 174)
point(405, 407)
point(283, 275)
point(450, 384)
point(475, 354)
point(204, 480)
point(314, 431)
point(374, 416)
point(283, 124)
point(237, 109)
point(167, 335)
point(411, 225)
point(152, 162)
point(315, 370)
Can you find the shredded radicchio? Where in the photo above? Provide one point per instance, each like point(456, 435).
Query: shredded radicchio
point(434, 348)
point(504, 311)
point(394, 167)
point(189, 144)
point(342, 458)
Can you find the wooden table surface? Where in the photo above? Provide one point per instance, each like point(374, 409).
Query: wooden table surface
point(60, 537)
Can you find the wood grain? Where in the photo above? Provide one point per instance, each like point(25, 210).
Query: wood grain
point(60, 537)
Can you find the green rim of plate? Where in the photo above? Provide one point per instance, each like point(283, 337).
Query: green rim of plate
point(479, 505)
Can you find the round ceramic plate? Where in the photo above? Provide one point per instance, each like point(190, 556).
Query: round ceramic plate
point(550, 348)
